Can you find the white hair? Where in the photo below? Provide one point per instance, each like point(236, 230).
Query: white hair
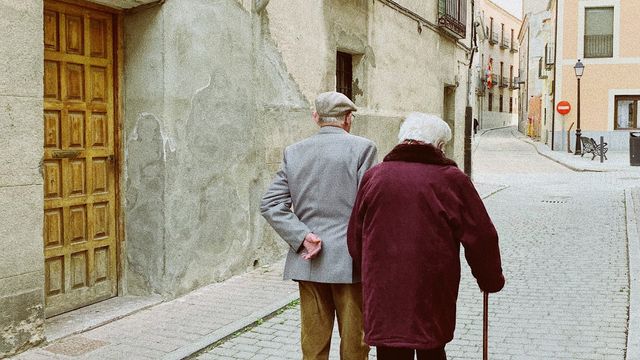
point(331, 119)
point(428, 128)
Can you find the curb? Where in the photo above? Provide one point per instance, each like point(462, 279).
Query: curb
point(481, 132)
point(484, 131)
point(230, 329)
point(633, 243)
point(568, 166)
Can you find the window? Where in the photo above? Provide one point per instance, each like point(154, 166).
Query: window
point(598, 32)
point(627, 112)
point(500, 105)
point(511, 104)
point(490, 101)
point(452, 16)
point(344, 74)
point(511, 38)
point(501, 69)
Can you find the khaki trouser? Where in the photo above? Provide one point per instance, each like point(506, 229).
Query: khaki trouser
point(318, 304)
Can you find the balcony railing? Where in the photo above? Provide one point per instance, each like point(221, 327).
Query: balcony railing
point(494, 79)
point(493, 38)
point(452, 17)
point(549, 55)
point(504, 82)
point(515, 83)
point(598, 46)
point(504, 44)
point(514, 47)
point(542, 72)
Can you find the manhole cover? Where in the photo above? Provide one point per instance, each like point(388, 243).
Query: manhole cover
point(75, 346)
point(554, 201)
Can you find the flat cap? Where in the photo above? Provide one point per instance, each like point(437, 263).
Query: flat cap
point(332, 104)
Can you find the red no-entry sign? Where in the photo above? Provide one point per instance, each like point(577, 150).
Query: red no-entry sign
point(563, 107)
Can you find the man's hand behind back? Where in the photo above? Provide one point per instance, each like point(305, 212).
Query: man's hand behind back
point(312, 245)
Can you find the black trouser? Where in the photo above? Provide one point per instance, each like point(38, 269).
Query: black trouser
point(387, 353)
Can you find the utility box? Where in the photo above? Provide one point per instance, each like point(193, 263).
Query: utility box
point(634, 148)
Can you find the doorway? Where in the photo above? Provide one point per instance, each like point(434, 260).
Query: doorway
point(80, 155)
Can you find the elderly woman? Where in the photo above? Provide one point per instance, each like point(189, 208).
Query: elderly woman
point(412, 212)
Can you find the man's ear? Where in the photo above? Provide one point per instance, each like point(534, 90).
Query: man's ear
point(316, 117)
point(347, 119)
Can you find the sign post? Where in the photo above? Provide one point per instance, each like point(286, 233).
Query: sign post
point(563, 108)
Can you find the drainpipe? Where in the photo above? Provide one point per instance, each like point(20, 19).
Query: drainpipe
point(468, 116)
point(555, 81)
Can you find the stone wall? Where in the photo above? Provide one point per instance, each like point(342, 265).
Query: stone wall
point(21, 139)
point(211, 103)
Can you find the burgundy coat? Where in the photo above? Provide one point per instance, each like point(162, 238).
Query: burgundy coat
point(412, 212)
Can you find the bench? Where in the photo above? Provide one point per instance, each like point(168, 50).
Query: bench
point(590, 146)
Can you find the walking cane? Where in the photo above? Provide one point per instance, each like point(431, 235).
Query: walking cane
point(485, 326)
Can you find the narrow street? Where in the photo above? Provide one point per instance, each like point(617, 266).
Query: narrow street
point(564, 253)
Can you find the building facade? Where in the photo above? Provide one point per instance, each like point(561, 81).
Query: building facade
point(603, 35)
point(537, 57)
point(496, 66)
point(139, 135)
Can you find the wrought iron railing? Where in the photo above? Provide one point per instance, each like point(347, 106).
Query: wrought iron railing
point(493, 38)
point(504, 82)
point(598, 46)
point(542, 72)
point(549, 55)
point(515, 83)
point(514, 46)
point(452, 17)
point(504, 44)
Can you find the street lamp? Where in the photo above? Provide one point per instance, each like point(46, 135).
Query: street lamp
point(579, 69)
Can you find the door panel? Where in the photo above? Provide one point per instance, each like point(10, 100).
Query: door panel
point(79, 171)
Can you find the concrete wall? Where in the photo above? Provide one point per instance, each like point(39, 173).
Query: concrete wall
point(21, 139)
point(211, 103)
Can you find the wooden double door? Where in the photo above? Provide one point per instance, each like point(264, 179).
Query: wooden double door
point(79, 168)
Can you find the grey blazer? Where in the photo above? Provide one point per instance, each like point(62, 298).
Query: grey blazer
point(314, 191)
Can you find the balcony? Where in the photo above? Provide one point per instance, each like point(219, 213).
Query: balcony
point(549, 56)
point(504, 44)
point(598, 46)
point(493, 38)
point(452, 17)
point(515, 83)
point(514, 47)
point(542, 71)
point(494, 80)
point(504, 82)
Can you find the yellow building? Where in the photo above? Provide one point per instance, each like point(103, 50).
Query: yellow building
point(604, 35)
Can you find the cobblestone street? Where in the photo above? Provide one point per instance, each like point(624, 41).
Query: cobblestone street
point(564, 251)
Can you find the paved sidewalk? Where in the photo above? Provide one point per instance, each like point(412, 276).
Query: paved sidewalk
point(178, 328)
point(616, 160)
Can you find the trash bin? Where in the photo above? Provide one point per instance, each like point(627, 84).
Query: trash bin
point(634, 148)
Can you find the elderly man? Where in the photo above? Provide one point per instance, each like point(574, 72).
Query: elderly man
point(309, 204)
point(411, 215)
